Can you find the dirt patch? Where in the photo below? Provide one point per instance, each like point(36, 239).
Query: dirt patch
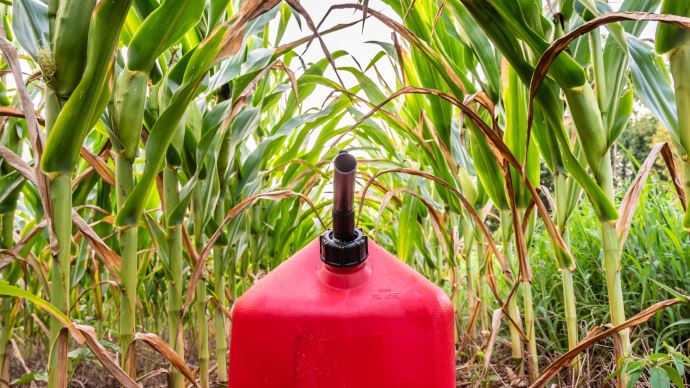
point(152, 368)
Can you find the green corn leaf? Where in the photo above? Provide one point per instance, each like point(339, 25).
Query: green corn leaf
point(408, 227)
point(565, 70)
point(30, 27)
point(160, 30)
point(669, 37)
point(144, 8)
point(9, 290)
point(159, 238)
point(652, 83)
point(481, 47)
point(130, 101)
point(10, 187)
point(602, 205)
point(622, 116)
point(70, 44)
point(546, 142)
point(87, 102)
point(488, 169)
point(588, 122)
point(374, 94)
point(515, 136)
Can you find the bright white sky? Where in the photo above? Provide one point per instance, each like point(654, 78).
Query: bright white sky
point(352, 40)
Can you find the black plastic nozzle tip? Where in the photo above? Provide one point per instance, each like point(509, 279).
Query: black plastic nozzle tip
point(345, 171)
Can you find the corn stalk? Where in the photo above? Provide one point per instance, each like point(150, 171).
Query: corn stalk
point(675, 42)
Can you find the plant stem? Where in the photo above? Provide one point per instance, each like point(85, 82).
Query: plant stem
point(612, 259)
point(680, 60)
point(569, 306)
point(528, 302)
point(470, 273)
point(174, 236)
point(571, 317)
point(203, 334)
point(201, 297)
point(128, 239)
point(483, 289)
point(61, 199)
point(6, 325)
point(532, 355)
point(219, 318)
point(219, 267)
point(513, 309)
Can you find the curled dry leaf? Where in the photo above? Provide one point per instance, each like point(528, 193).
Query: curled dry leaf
point(232, 213)
point(525, 274)
point(249, 10)
point(58, 352)
point(551, 371)
point(410, 37)
point(468, 207)
point(37, 137)
point(495, 327)
point(279, 65)
point(115, 285)
point(111, 259)
point(283, 48)
point(156, 343)
point(562, 43)
point(437, 220)
point(91, 340)
point(497, 144)
point(632, 196)
point(9, 111)
point(99, 165)
point(295, 4)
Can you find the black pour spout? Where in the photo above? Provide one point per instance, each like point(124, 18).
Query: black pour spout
point(345, 170)
point(344, 245)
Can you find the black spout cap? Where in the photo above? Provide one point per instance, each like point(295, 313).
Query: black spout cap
point(344, 245)
point(343, 254)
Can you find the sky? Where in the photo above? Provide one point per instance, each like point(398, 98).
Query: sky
point(352, 40)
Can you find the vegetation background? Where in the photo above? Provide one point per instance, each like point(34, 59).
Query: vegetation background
point(157, 158)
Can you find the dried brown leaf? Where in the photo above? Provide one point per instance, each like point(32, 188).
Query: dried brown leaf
point(563, 361)
point(35, 135)
point(632, 196)
point(295, 4)
point(437, 220)
point(468, 207)
point(495, 327)
point(156, 343)
point(99, 165)
point(562, 43)
point(91, 340)
point(112, 260)
point(10, 111)
point(232, 213)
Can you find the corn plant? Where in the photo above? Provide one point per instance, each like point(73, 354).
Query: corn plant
point(675, 43)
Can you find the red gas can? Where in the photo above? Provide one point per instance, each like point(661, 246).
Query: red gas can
point(342, 312)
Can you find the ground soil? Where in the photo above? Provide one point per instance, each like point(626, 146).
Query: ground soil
point(501, 373)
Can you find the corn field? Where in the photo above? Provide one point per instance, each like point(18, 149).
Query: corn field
point(158, 157)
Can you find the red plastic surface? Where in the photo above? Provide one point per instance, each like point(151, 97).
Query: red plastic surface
point(306, 325)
